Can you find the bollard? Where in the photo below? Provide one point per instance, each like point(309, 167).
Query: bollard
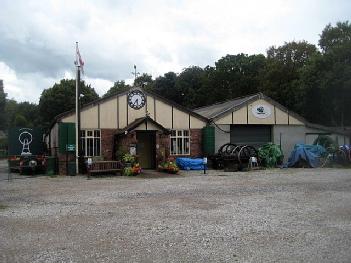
point(89, 164)
point(205, 163)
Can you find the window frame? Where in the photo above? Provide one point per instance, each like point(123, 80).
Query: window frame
point(182, 137)
point(84, 141)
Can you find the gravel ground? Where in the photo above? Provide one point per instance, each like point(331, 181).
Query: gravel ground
point(290, 215)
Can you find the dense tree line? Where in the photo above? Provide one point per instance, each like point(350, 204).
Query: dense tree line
point(312, 81)
point(53, 101)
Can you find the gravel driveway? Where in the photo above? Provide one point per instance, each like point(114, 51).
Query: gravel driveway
point(291, 215)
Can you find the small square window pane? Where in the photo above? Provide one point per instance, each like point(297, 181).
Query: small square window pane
point(173, 133)
point(186, 146)
point(96, 147)
point(179, 133)
point(186, 133)
point(173, 146)
point(179, 146)
point(90, 147)
point(89, 133)
point(97, 133)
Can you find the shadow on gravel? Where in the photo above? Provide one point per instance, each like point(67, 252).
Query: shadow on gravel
point(146, 174)
point(15, 176)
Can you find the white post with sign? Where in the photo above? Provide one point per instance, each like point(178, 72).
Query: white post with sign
point(204, 161)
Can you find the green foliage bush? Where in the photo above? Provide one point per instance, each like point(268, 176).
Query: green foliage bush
point(128, 158)
point(270, 155)
point(327, 142)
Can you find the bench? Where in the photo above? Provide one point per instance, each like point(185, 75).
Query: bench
point(105, 167)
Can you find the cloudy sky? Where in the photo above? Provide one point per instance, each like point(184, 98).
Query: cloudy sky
point(37, 38)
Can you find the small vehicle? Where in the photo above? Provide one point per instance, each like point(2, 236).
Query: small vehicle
point(27, 164)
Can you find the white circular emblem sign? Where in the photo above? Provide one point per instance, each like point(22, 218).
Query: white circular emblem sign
point(261, 111)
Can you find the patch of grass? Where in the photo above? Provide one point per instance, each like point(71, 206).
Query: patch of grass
point(3, 206)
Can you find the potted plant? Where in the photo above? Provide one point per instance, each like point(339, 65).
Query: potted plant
point(168, 167)
point(136, 169)
point(132, 170)
point(128, 160)
point(127, 171)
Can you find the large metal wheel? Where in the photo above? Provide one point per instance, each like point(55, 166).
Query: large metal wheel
point(225, 149)
point(235, 152)
point(245, 153)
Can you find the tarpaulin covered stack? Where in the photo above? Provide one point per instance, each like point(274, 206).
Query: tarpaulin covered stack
point(347, 151)
point(304, 154)
point(190, 164)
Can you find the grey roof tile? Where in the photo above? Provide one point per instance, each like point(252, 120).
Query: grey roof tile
point(214, 110)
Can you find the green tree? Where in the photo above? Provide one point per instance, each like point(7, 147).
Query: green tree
point(61, 98)
point(16, 110)
point(188, 85)
point(20, 121)
point(10, 111)
point(333, 38)
point(118, 86)
point(145, 80)
point(280, 79)
point(327, 79)
point(166, 86)
point(238, 75)
point(2, 107)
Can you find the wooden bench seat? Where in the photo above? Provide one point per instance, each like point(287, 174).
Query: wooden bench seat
point(105, 167)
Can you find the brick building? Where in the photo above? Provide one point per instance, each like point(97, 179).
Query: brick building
point(154, 128)
point(135, 120)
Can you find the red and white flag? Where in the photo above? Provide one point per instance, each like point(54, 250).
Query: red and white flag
point(79, 61)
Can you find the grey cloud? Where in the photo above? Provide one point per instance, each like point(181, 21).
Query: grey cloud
point(31, 57)
point(196, 55)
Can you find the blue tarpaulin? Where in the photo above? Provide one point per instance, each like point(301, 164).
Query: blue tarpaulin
point(190, 164)
point(311, 154)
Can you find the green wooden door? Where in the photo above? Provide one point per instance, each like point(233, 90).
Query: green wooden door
point(146, 149)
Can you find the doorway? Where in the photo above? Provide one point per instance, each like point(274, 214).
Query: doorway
point(146, 149)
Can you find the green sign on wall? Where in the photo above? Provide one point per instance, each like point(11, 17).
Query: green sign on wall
point(70, 147)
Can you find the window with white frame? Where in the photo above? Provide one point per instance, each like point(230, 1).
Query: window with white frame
point(180, 142)
point(90, 142)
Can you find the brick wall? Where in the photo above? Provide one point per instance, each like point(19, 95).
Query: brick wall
point(162, 147)
point(107, 141)
point(196, 143)
point(123, 141)
point(63, 160)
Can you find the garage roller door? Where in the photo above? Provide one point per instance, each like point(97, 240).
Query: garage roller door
point(254, 135)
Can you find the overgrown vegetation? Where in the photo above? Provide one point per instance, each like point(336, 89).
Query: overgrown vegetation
point(2, 206)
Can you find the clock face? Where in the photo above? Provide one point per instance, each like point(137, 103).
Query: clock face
point(136, 99)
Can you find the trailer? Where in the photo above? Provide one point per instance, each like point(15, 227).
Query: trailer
point(26, 151)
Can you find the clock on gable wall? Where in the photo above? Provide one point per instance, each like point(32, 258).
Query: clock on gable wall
point(136, 99)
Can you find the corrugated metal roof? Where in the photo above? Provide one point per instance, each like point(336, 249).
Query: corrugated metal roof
point(214, 110)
